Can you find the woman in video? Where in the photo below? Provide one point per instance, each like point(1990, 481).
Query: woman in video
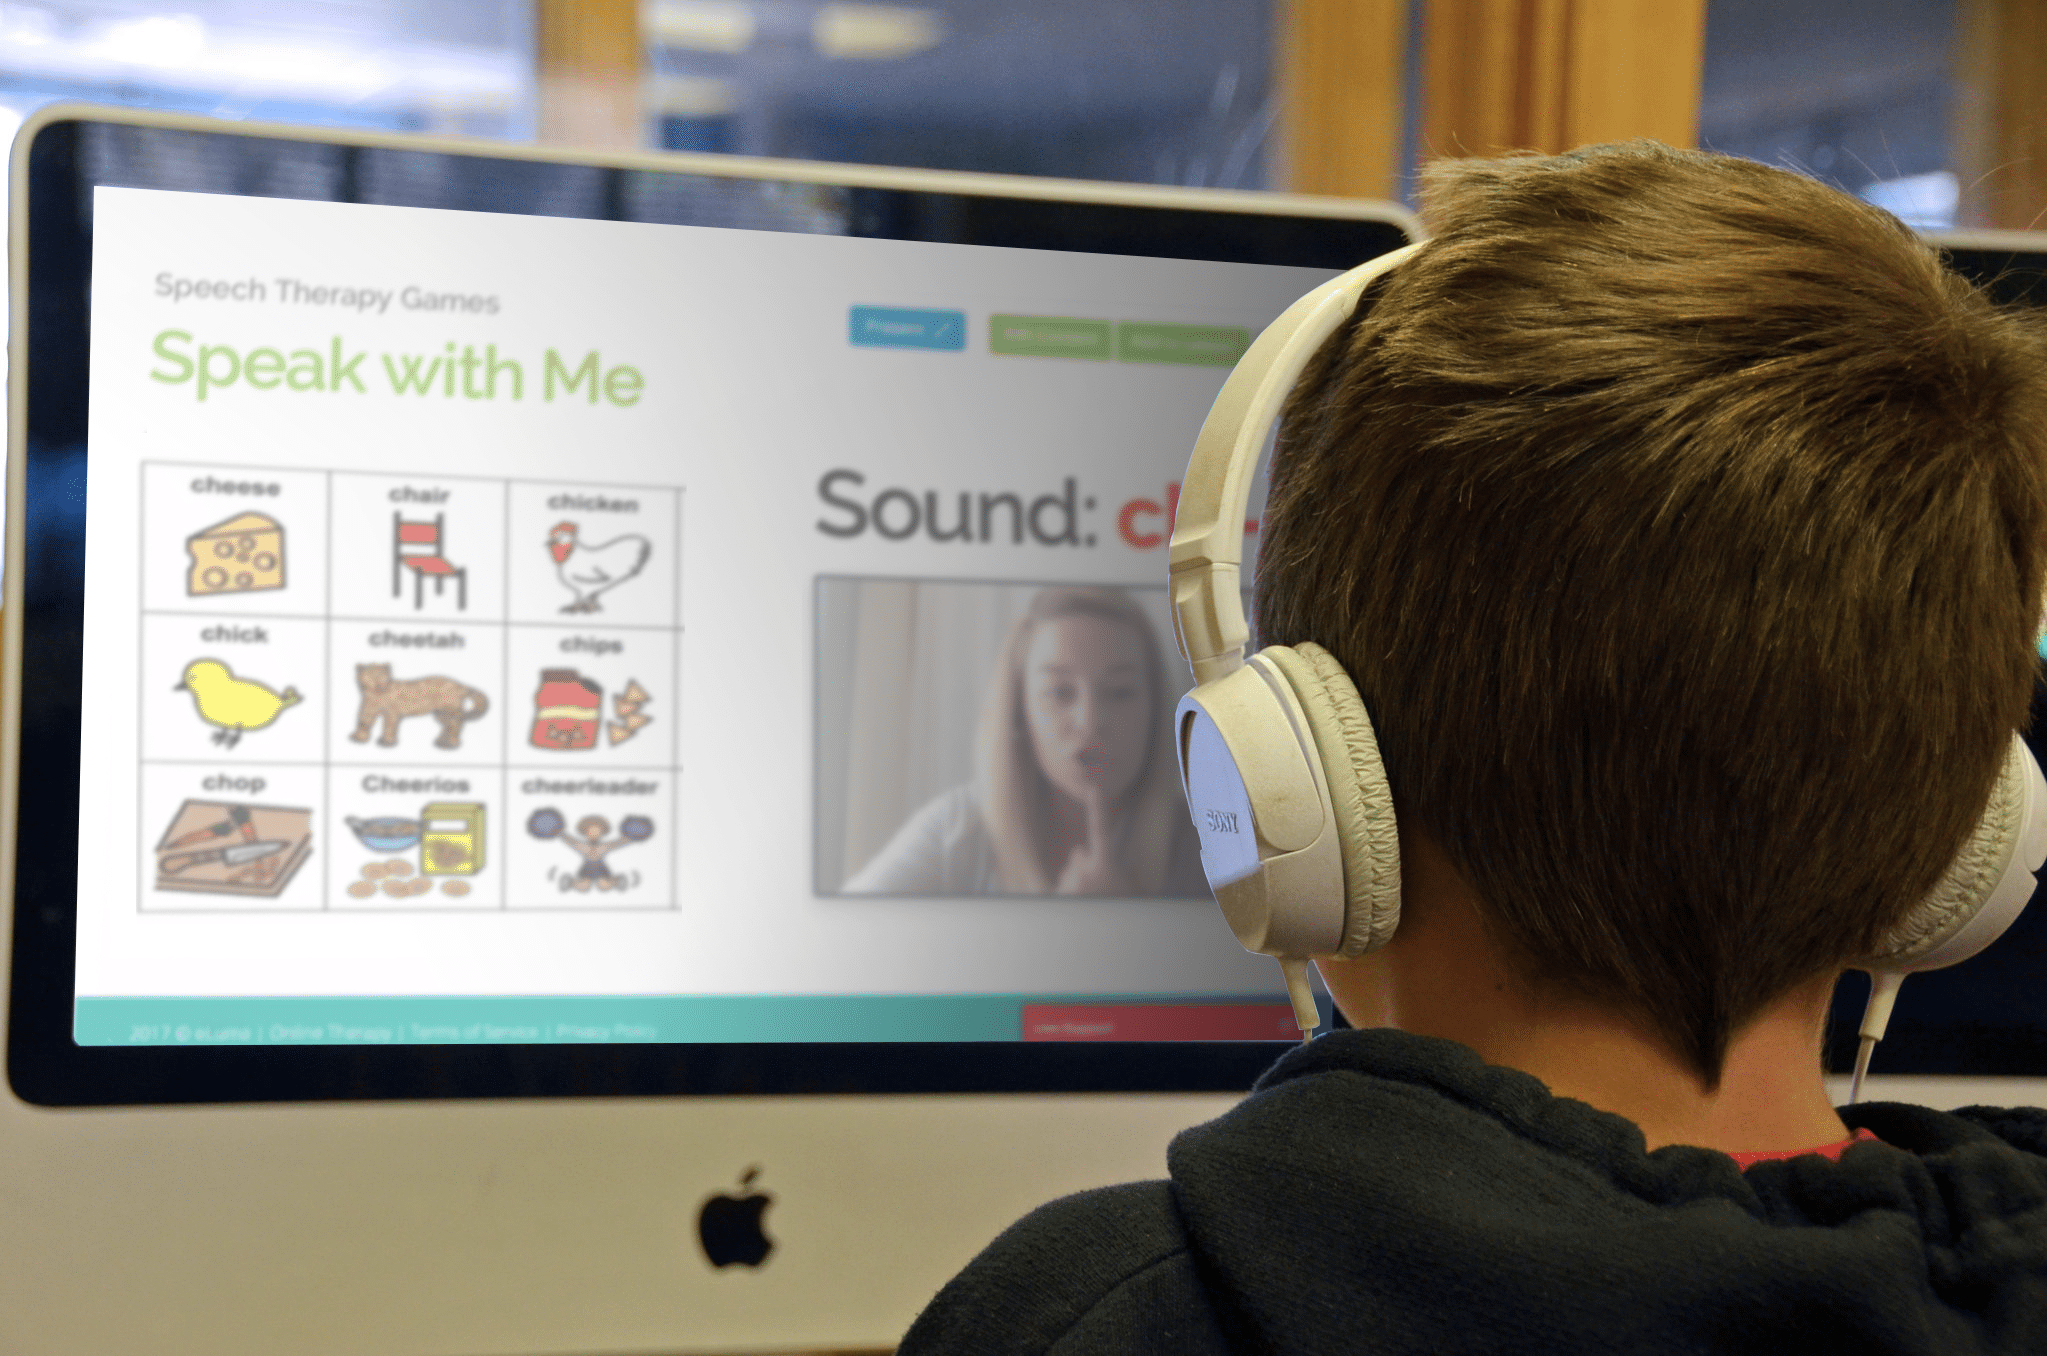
point(1075, 789)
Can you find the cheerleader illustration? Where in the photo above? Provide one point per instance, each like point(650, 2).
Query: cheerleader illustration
point(591, 841)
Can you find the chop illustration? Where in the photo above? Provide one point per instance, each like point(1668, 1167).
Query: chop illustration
point(241, 854)
point(588, 570)
point(232, 705)
point(223, 848)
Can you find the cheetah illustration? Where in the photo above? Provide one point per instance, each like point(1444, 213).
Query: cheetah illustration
point(390, 701)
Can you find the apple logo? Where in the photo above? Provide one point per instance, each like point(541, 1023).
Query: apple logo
point(729, 1226)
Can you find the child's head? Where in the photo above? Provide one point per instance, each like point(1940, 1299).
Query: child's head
point(1682, 523)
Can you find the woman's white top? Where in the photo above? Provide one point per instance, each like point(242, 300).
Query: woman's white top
point(942, 849)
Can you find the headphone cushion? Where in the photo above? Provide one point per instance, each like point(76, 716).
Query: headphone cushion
point(1972, 877)
point(1366, 831)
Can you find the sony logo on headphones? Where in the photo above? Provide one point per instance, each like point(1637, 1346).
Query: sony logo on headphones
point(1221, 821)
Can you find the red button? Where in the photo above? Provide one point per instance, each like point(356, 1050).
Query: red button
point(1159, 1022)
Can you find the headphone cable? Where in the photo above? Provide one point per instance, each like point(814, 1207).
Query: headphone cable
point(1876, 1018)
point(1306, 1016)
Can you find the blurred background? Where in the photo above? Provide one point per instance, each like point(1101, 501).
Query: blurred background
point(1924, 106)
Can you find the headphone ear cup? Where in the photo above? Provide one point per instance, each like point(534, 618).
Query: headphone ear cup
point(1366, 831)
point(1988, 883)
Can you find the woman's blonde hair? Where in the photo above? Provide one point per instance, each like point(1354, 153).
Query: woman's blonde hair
point(1014, 793)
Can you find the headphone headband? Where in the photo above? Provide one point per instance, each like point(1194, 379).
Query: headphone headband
point(1208, 527)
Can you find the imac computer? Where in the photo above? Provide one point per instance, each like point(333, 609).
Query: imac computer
point(583, 736)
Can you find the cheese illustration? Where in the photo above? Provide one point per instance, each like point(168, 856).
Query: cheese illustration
point(241, 555)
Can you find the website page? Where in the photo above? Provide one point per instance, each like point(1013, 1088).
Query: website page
point(519, 629)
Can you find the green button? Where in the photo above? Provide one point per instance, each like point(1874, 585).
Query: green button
point(1189, 345)
point(1047, 336)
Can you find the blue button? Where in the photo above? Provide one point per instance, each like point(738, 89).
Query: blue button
point(898, 327)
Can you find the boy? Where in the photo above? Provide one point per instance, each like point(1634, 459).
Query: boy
point(1682, 524)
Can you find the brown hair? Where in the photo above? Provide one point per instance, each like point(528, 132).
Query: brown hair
point(1015, 796)
point(1680, 521)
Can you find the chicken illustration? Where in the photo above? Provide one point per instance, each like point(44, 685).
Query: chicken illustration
point(589, 570)
point(232, 704)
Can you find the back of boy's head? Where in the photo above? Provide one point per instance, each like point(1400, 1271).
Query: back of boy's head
point(1681, 522)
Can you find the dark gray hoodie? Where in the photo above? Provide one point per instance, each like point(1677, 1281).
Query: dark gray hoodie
point(1380, 1192)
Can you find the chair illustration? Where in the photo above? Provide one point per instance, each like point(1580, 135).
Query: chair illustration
point(416, 545)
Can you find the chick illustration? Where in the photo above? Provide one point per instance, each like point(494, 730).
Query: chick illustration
point(233, 704)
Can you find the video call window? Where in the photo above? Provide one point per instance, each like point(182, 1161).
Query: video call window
point(999, 739)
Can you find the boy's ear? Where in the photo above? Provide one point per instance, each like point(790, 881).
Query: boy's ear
point(1367, 832)
point(1295, 816)
point(1987, 885)
point(1982, 893)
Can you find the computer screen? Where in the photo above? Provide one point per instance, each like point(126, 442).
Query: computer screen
point(652, 611)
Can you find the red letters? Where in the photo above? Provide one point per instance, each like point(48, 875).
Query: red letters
point(1126, 523)
point(1140, 540)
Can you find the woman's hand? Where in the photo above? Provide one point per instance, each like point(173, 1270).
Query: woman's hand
point(1092, 868)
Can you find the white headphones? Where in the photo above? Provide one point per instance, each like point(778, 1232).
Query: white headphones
point(1282, 770)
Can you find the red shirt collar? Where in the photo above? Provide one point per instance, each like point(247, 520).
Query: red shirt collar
point(1828, 1151)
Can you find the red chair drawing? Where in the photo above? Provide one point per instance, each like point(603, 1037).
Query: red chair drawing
point(416, 546)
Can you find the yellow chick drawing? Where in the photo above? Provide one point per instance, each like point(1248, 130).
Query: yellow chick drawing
point(233, 704)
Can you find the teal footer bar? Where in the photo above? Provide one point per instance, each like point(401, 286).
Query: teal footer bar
point(550, 1020)
point(542, 1020)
